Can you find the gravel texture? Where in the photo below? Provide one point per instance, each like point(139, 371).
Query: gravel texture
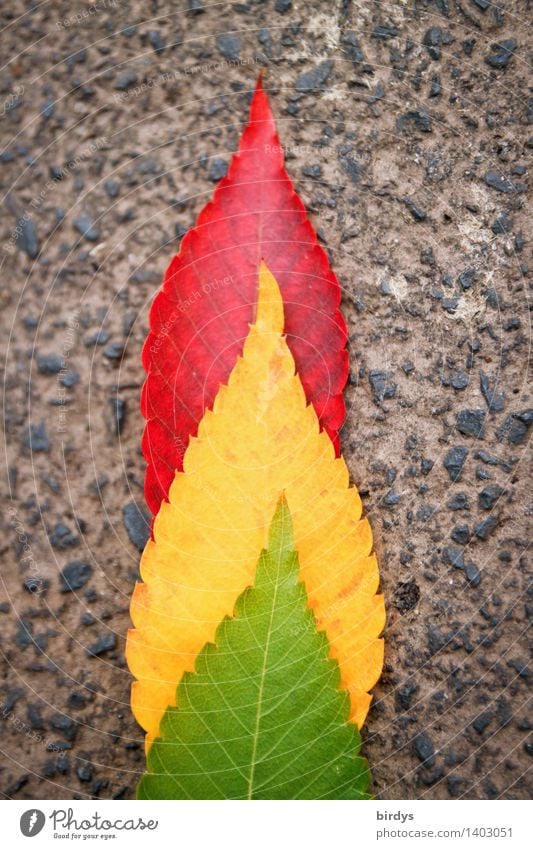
point(407, 129)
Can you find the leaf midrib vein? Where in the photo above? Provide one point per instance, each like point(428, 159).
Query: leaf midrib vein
point(261, 687)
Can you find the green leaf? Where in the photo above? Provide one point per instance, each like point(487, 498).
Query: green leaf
point(262, 717)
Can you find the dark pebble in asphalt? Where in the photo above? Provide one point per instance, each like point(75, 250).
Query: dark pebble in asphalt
point(521, 668)
point(352, 47)
point(76, 701)
point(27, 237)
point(62, 537)
point(516, 427)
point(488, 497)
point(118, 414)
point(36, 438)
point(349, 163)
point(314, 171)
point(466, 278)
point(493, 299)
point(383, 32)
point(382, 385)
point(74, 576)
point(501, 53)
point(65, 725)
point(48, 769)
point(47, 109)
point(519, 242)
point(98, 338)
point(96, 486)
point(417, 118)
point(63, 764)
point(424, 749)
point(114, 351)
point(425, 511)
point(84, 772)
point(471, 422)
point(502, 224)
point(156, 40)
point(406, 596)
point(107, 642)
point(435, 88)
point(454, 461)
point(460, 534)
point(491, 460)
point(87, 618)
point(484, 529)
point(69, 379)
point(35, 717)
point(86, 227)
point(219, 169)
point(11, 698)
point(453, 556)
point(459, 381)
point(436, 640)
point(455, 786)
point(310, 80)
point(77, 58)
point(23, 637)
point(283, 6)
point(126, 80)
point(391, 498)
point(404, 695)
point(49, 364)
point(137, 525)
point(497, 181)
point(417, 212)
point(482, 721)
point(112, 188)
point(450, 304)
point(472, 573)
point(494, 400)
point(512, 323)
point(433, 40)
point(229, 46)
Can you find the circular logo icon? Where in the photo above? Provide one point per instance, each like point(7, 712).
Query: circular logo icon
point(32, 822)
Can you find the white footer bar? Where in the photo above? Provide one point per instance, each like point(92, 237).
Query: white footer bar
point(267, 825)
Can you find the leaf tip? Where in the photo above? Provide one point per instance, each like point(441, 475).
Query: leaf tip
point(280, 535)
point(269, 315)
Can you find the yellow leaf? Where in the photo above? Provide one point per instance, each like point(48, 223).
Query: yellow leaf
point(261, 439)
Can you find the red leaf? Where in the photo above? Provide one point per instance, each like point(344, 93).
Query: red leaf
point(200, 319)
